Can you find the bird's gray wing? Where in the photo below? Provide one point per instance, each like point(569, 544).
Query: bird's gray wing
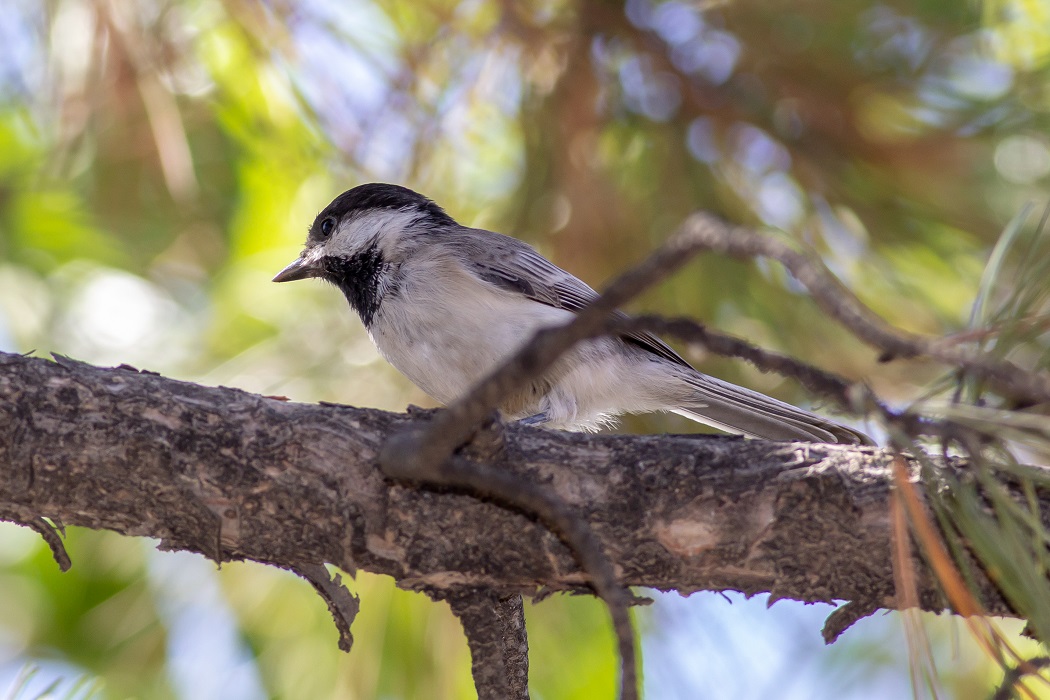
point(514, 266)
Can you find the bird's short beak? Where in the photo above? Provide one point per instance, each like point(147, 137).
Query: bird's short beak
point(300, 269)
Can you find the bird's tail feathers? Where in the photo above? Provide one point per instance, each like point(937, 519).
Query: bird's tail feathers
point(738, 410)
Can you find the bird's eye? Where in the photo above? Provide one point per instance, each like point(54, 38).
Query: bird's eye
point(327, 226)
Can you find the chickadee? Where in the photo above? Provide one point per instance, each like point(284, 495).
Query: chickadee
point(446, 305)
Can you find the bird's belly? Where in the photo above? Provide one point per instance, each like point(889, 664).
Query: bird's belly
point(598, 380)
point(445, 353)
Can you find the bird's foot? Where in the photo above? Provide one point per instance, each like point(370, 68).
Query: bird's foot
point(538, 419)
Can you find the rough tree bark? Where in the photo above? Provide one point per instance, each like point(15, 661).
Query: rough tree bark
point(234, 475)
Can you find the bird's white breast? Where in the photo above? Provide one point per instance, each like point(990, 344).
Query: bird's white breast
point(445, 329)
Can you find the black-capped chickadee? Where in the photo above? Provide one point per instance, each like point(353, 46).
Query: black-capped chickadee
point(446, 305)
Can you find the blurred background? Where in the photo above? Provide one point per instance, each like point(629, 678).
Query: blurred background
point(160, 161)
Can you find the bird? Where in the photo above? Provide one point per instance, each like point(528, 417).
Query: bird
point(447, 304)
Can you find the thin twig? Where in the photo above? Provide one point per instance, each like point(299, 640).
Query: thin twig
point(841, 304)
point(821, 382)
point(1030, 324)
point(851, 397)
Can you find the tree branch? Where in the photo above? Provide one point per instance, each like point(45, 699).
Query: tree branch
point(838, 302)
point(233, 475)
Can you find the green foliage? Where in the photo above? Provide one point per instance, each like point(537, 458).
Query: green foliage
point(990, 511)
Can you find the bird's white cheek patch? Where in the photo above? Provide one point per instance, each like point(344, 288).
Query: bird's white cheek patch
point(358, 233)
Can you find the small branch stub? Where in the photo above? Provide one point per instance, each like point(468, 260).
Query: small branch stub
point(499, 647)
point(343, 604)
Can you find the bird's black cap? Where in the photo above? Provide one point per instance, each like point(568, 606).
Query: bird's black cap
point(379, 195)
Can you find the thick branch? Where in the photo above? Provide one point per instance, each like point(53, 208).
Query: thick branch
point(235, 475)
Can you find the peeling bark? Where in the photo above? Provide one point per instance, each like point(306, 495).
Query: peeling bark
point(234, 475)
